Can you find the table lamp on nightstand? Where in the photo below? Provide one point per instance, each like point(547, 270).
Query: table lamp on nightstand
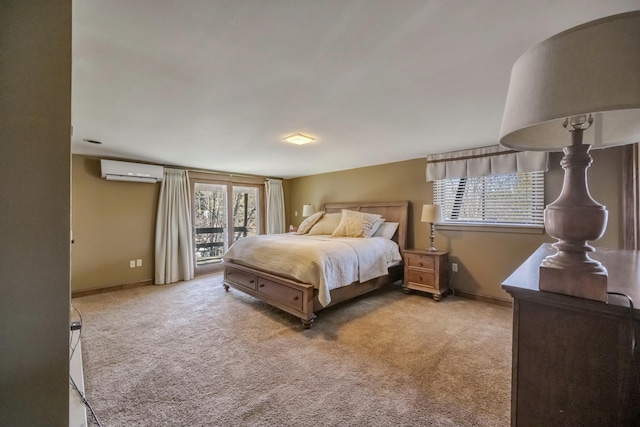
point(431, 214)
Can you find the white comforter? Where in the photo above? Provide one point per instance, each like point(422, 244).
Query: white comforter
point(323, 261)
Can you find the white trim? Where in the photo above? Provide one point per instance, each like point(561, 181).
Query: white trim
point(491, 228)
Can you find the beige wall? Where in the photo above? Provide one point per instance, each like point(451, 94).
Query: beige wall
point(113, 222)
point(485, 259)
point(35, 133)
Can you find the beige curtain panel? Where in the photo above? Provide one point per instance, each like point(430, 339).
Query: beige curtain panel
point(174, 239)
point(275, 206)
point(484, 161)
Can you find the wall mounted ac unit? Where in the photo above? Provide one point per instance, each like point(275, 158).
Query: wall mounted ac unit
point(134, 172)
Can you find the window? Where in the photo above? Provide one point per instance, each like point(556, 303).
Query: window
point(511, 199)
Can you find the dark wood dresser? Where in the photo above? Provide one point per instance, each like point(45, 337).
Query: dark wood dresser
point(572, 357)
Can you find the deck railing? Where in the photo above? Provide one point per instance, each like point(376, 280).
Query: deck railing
point(212, 252)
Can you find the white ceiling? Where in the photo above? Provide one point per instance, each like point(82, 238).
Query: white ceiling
point(217, 84)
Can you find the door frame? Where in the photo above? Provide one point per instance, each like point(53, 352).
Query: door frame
point(251, 182)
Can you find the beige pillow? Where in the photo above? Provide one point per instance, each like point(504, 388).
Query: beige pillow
point(326, 225)
point(355, 224)
point(306, 225)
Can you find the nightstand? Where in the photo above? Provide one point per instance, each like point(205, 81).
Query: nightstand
point(426, 271)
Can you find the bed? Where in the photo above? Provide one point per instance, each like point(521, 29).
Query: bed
point(303, 298)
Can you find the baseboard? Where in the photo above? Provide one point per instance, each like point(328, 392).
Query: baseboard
point(467, 295)
point(76, 294)
point(483, 298)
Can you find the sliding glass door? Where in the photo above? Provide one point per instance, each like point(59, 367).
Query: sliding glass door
point(217, 205)
point(210, 201)
point(245, 212)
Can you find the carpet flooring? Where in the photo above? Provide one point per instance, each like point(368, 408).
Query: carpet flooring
point(191, 354)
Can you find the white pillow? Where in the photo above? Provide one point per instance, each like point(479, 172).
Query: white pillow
point(306, 225)
point(376, 226)
point(355, 224)
point(326, 225)
point(386, 230)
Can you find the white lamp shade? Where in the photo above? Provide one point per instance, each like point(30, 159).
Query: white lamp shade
point(308, 210)
point(592, 68)
point(431, 213)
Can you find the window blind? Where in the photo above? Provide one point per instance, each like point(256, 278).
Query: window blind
point(509, 199)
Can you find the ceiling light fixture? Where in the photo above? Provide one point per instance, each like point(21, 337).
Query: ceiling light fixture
point(299, 139)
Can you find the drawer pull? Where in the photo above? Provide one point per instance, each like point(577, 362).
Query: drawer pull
point(261, 284)
point(420, 264)
point(251, 281)
point(296, 298)
point(420, 278)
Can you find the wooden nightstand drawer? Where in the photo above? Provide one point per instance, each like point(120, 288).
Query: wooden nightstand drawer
point(426, 271)
point(284, 294)
point(420, 261)
point(240, 278)
point(421, 278)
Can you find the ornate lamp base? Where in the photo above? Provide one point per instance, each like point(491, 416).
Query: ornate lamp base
point(581, 284)
point(574, 219)
point(432, 248)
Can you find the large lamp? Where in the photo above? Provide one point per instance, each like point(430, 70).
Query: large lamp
point(576, 90)
point(431, 214)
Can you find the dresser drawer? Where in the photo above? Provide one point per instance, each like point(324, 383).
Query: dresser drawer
point(422, 278)
point(421, 261)
point(240, 278)
point(284, 294)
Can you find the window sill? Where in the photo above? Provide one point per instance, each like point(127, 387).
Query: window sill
point(492, 228)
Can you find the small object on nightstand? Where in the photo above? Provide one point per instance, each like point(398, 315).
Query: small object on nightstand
point(426, 271)
point(431, 214)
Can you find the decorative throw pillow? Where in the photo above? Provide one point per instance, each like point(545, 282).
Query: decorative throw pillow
point(386, 230)
point(355, 224)
point(326, 225)
point(309, 222)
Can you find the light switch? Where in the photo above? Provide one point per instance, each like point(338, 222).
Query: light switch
point(132, 263)
point(138, 263)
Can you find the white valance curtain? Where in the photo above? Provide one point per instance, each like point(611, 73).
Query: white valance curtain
point(275, 206)
point(174, 238)
point(484, 161)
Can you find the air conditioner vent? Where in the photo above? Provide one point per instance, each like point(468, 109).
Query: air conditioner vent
point(114, 170)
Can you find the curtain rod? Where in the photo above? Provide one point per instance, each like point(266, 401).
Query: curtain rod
point(229, 174)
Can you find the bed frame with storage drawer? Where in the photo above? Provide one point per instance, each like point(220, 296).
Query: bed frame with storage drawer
point(300, 299)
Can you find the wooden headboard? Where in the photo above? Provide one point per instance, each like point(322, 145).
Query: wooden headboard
point(390, 211)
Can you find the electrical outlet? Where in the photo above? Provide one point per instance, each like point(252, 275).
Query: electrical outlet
point(454, 267)
point(132, 263)
point(138, 263)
